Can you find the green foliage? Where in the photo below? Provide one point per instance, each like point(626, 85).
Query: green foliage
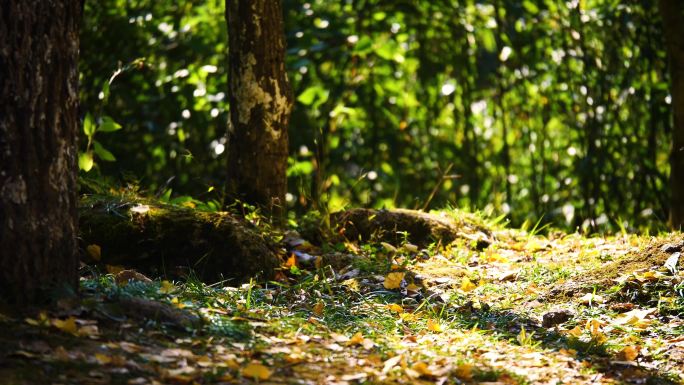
point(545, 117)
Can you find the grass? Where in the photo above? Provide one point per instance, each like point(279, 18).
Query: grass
point(314, 328)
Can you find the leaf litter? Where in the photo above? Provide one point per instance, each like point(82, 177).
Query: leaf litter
point(527, 309)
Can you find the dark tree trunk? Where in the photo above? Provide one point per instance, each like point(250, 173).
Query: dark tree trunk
point(38, 132)
point(260, 103)
point(672, 12)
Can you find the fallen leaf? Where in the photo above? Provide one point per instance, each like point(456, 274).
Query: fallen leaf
point(356, 339)
point(395, 308)
point(318, 308)
point(467, 285)
point(124, 276)
point(391, 363)
point(464, 371)
point(434, 326)
point(412, 287)
point(575, 332)
point(393, 280)
point(256, 371)
point(671, 263)
point(291, 261)
point(166, 287)
point(422, 368)
point(102, 359)
point(42, 320)
point(628, 353)
point(636, 318)
point(94, 251)
point(68, 325)
point(590, 299)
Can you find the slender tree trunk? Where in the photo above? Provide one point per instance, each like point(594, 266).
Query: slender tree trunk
point(260, 103)
point(672, 12)
point(38, 131)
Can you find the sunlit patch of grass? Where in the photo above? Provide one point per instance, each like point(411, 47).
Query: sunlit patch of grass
point(545, 274)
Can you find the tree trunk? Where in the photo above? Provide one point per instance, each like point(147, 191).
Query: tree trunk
point(672, 12)
point(260, 103)
point(38, 132)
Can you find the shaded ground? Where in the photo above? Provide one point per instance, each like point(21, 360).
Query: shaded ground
point(526, 309)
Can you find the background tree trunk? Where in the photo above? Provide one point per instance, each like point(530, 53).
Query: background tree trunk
point(672, 12)
point(38, 132)
point(260, 103)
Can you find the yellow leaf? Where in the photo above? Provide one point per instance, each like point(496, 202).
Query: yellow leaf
point(68, 325)
point(42, 320)
point(467, 285)
point(464, 371)
point(318, 262)
point(434, 326)
point(318, 308)
point(356, 339)
point(395, 308)
point(94, 251)
point(103, 359)
point(593, 326)
point(166, 287)
point(412, 287)
point(599, 338)
point(256, 371)
point(393, 280)
point(628, 353)
point(575, 332)
point(291, 261)
point(177, 303)
point(422, 368)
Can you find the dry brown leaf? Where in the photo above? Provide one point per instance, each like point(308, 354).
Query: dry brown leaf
point(318, 308)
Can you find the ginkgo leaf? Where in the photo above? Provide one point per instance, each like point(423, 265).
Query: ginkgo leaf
point(256, 371)
point(393, 280)
point(395, 308)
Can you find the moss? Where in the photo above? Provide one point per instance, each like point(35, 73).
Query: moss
point(417, 227)
point(168, 240)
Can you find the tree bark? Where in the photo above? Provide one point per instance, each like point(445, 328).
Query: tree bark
point(38, 154)
point(260, 103)
point(672, 12)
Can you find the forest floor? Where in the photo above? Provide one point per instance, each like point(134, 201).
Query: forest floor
point(526, 309)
